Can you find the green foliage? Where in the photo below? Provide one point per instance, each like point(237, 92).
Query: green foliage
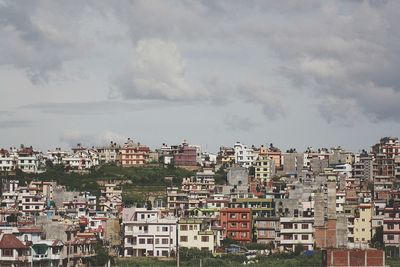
point(189, 254)
point(221, 176)
point(140, 176)
point(228, 241)
point(102, 256)
point(12, 218)
point(377, 239)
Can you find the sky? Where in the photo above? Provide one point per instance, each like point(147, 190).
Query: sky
point(292, 73)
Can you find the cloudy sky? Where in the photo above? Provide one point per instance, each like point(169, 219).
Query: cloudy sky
point(294, 73)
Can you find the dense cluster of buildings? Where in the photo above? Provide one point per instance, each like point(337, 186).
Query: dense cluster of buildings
point(320, 198)
point(41, 223)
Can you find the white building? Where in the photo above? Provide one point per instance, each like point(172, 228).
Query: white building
point(8, 162)
point(244, 156)
point(296, 230)
point(148, 233)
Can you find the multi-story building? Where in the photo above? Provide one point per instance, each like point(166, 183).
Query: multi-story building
point(134, 154)
point(56, 156)
point(193, 234)
point(8, 162)
point(296, 230)
point(266, 229)
point(264, 168)
point(362, 225)
point(186, 155)
point(391, 230)
point(292, 163)
point(237, 224)
point(110, 153)
point(244, 156)
point(148, 233)
point(28, 160)
point(363, 169)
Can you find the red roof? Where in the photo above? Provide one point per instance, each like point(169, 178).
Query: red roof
point(10, 241)
point(30, 230)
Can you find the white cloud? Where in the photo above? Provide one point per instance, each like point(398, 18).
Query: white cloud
point(157, 72)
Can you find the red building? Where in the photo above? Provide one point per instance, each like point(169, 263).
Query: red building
point(237, 223)
point(134, 154)
point(186, 155)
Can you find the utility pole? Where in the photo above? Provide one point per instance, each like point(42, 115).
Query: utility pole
point(177, 245)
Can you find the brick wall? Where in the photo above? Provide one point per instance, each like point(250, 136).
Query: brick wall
point(343, 257)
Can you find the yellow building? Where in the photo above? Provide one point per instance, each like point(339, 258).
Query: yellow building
point(264, 168)
point(191, 235)
point(362, 225)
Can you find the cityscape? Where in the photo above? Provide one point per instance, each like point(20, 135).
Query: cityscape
point(250, 201)
point(210, 133)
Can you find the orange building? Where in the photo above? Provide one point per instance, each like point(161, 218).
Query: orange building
point(134, 154)
point(237, 223)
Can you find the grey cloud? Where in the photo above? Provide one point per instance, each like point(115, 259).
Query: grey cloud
point(74, 137)
point(16, 123)
point(40, 36)
point(238, 123)
point(345, 51)
point(91, 108)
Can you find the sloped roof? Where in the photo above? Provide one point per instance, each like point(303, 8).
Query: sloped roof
point(10, 241)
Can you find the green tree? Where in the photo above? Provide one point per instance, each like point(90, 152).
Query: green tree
point(102, 256)
point(377, 239)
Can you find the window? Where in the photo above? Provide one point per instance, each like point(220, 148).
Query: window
point(157, 241)
point(390, 237)
point(184, 238)
point(363, 229)
point(244, 225)
point(183, 227)
point(244, 215)
point(165, 228)
point(164, 253)
point(150, 241)
point(390, 226)
point(304, 226)
point(232, 215)
point(287, 226)
point(204, 239)
point(164, 241)
point(191, 227)
point(7, 252)
point(195, 237)
point(304, 237)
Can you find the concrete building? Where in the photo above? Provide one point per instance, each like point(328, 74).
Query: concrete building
point(187, 155)
point(148, 233)
point(192, 233)
point(391, 230)
point(296, 230)
point(362, 225)
point(109, 153)
point(244, 156)
point(238, 176)
point(292, 163)
point(237, 224)
point(264, 168)
point(134, 154)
